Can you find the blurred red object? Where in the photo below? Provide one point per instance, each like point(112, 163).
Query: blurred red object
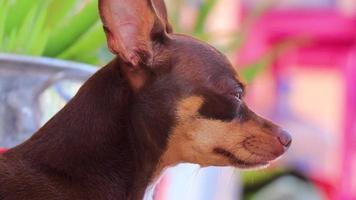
point(2, 150)
point(325, 186)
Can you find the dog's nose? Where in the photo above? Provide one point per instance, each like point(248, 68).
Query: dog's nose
point(284, 138)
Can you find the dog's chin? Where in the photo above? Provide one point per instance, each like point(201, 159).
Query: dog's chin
point(254, 166)
point(257, 165)
point(237, 162)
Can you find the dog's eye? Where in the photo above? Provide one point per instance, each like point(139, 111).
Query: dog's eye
point(237, 94)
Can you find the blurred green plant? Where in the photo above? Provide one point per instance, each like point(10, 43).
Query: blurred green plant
point(66, 29)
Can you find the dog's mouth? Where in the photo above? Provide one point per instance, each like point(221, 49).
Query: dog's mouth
point(237, 162)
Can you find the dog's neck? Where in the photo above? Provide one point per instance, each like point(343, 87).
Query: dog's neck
point(92, 139)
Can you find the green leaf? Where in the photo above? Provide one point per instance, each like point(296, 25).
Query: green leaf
point(3, 15)
point(17, 13)
point(10, 42)
point(59, 11)
point(39, 43)
point(38, 36)
point(64, 36)
point(25, 30)
point(89, 42)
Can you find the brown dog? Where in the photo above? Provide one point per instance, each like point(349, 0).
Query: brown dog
point(165, 99)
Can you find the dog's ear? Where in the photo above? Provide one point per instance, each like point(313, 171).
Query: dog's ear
point(133, 26)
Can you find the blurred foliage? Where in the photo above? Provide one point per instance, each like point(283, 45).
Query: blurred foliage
point(256, 182)
point(260, 178)
point(66, 29)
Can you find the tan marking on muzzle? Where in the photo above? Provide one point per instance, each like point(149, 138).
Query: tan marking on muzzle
point(194, 138)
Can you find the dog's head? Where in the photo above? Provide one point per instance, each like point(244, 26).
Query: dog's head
point(188, 98)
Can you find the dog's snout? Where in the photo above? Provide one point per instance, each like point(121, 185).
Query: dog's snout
point(284, 138)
